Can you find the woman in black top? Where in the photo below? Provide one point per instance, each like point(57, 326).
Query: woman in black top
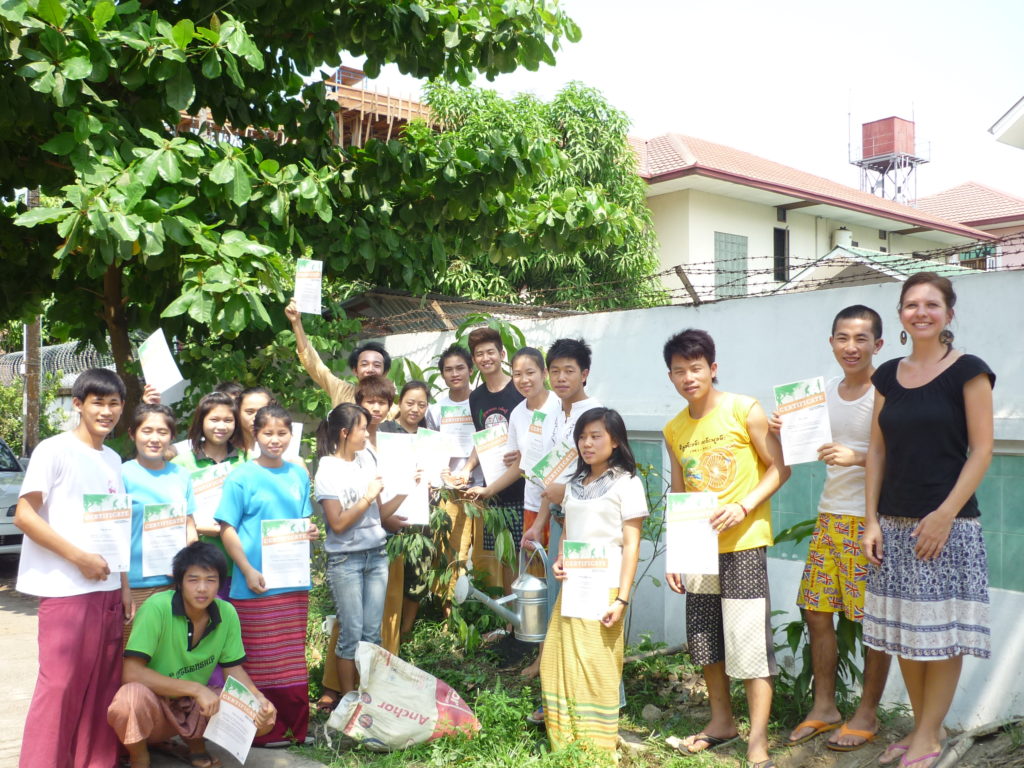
point(931, 444)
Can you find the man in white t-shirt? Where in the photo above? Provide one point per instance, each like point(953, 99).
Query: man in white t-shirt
point(835, 574)
point(83, 605)
point(568, 369)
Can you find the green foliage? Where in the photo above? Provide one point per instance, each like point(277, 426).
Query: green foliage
point(146, 223)
point(11, 422)
point(581, 234)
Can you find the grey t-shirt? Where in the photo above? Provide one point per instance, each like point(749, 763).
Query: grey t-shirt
point(346, 482)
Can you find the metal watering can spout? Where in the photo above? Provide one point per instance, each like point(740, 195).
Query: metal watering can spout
point(529, 599)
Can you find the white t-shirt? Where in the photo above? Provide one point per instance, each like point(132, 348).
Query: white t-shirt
point(599, 521)
point(843, 493)
point(529, 439)
point(346, 482)
point(562, 430)
point(63, 468)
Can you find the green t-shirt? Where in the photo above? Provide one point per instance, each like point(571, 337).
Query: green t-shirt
point(161, 632)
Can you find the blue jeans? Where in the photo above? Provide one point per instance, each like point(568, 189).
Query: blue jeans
point(359, 581)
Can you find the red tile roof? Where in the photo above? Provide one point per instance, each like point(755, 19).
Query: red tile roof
point(973, 203)
point(673, 156)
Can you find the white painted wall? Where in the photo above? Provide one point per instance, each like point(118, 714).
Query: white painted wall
point(770, 340)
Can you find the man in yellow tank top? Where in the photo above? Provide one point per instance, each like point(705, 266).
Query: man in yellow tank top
point(720, 443)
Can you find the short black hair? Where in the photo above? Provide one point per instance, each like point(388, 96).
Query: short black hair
point(256, 391)
point(143, 410)
point(455, 350)
point(860, 312)
point(268, 412)
point(370, 346)
point(574, 349)
point(97, 381)
point(691, 344)
point(231, 388)
point(202, 555)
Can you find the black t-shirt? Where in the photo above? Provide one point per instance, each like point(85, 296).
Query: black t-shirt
point(925, 431)
point(489, 409)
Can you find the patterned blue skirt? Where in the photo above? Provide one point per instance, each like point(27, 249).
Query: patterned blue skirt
point(929, 610)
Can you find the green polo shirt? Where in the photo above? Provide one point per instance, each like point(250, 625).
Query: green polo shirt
point(162, 636)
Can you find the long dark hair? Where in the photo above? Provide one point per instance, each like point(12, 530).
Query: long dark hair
point(207, 404)
point(328, 434)
point(622, 455)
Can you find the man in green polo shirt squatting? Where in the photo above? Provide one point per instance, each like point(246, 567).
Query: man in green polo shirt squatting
point(177, 640)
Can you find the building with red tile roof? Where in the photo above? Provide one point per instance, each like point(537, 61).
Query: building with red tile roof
point(982, 207)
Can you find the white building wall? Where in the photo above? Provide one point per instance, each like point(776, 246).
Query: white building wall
point(764, 341)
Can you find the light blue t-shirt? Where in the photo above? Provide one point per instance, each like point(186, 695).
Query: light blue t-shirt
point(252, 494)
point(169, 485)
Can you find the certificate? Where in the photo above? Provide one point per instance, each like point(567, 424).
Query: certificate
point(415, 507)
point(396, 461)
point(457, 426)
point(158, 366)
point(285, 553)
point(207, 487)
point(163, 535)
point(805, 425)
point(691, 542)
point(533, 443)
point(585, 589)
point(107, 519)
point(432, 455)
point(233, 726)
point(558, 462)
point(490, 450)
point(309, 275)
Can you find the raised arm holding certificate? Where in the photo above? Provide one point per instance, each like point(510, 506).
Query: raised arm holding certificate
point(691, 542)
point(490, 450)
point(163, 534)
point(233, 726)
point(107, 522)
point(158, 366)
point(309, 285)
point(285, 553)
point(805, 424)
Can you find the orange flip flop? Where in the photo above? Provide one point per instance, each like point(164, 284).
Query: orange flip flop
point(844, 730)
point(819, 726)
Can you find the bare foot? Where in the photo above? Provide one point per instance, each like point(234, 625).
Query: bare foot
point(531, 671)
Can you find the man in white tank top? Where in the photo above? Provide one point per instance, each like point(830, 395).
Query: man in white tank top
point(835, 574)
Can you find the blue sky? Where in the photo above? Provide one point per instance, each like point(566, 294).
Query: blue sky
point(779, 79)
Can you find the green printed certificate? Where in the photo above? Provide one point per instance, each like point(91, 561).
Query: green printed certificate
point(691, 543)
point(285, 553)
point(107, 522)
point(163, 535)
point(233, 726)
point(490, 450)
point(585, 589)
point(558, 460)
point(805, 424)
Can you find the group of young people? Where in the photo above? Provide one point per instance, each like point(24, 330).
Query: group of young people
point(897, 544)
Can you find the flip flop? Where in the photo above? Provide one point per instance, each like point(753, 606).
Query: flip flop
point(845, 730)
point(886, 759)
point(713, 742)
point(203, 760)
point(930, 756)
point(819, 726)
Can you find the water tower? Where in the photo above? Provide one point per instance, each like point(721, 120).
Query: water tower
point(888, 162)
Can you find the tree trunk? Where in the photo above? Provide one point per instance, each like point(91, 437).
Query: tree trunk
point(120, 344)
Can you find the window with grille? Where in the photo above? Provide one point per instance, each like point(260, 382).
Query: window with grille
point(730, 265)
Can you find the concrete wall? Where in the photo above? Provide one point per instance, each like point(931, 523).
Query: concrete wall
point(765, 341)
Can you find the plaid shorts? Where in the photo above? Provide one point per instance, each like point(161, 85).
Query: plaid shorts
point(512, 520)
point(836, 572)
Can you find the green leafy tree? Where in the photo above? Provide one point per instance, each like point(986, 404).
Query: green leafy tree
point(148, 225)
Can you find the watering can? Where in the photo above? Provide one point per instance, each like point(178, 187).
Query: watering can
point(528, 609)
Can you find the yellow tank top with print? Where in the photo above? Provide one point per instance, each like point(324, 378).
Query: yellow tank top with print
point(716, 456)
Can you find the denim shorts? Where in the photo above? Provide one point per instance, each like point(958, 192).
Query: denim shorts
point(359, 581)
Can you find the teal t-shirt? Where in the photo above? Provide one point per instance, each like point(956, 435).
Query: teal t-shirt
point(161, 632)
point(172, 484)
point(252, 494)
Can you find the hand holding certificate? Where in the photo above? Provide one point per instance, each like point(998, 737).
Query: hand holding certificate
point(490, 450)
point(308, 285)
point(107, 523)
point(457, 427)
point(805, 424)
point(285, 553)
point(158, 366)
point(234, 724)
point(553, 467)
point(691, 542)
point(207, 487)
